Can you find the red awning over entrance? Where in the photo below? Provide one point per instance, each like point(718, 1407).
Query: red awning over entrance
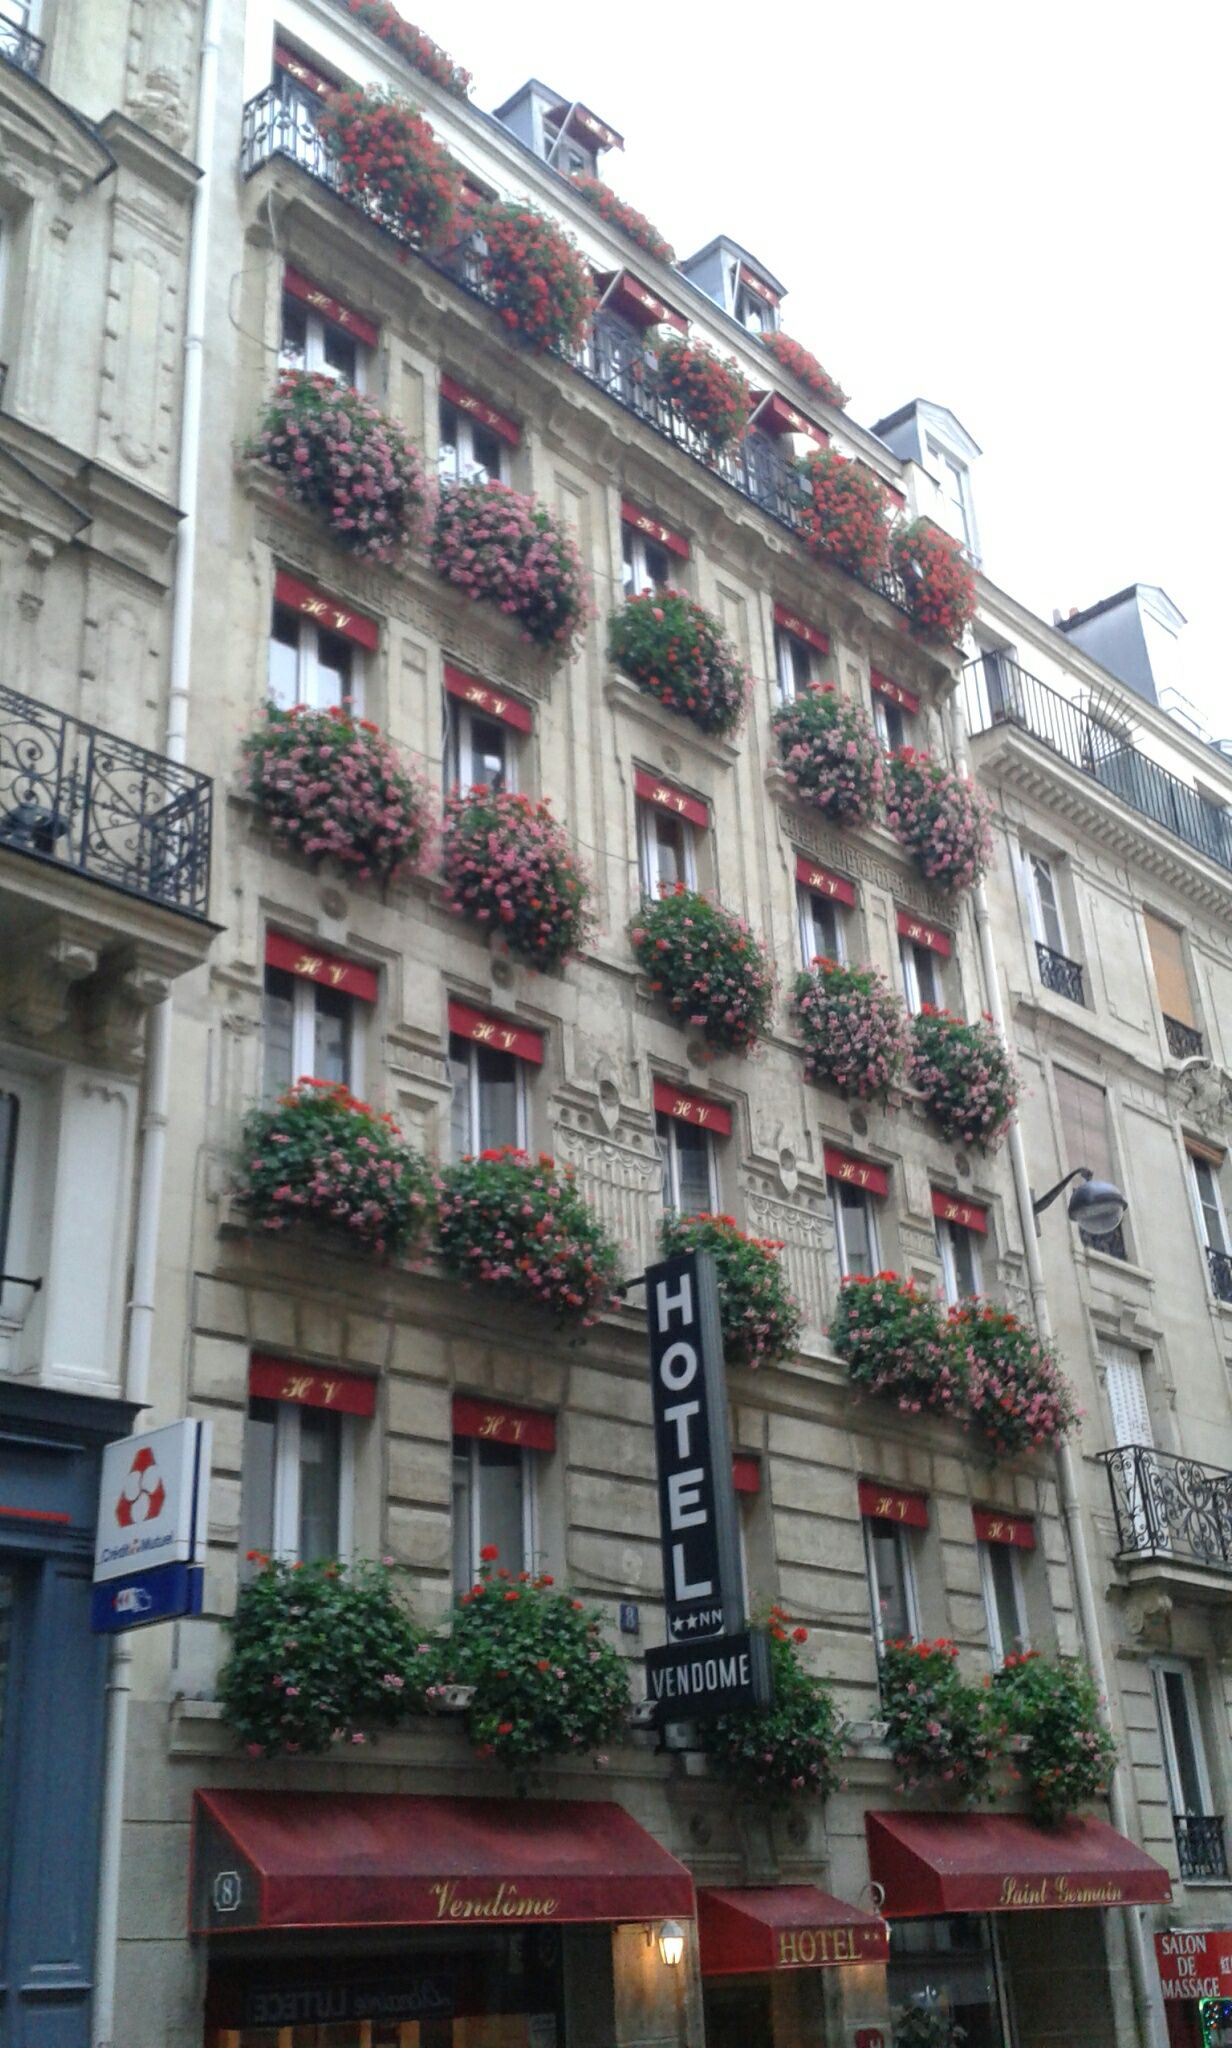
point(784, 1927)
point(324, 1859)
point(928, 1863)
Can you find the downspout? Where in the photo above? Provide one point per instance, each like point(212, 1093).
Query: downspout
point(1151, 2026)
point(158, 1030)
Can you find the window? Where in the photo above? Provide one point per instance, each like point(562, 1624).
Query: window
point(891, 1580)
point(567, 153)
point(646, 563)
point(1125, 1384)
point(493, 1503)
point(796, 664)
point(1044, 901)
point(312, 341)
point(307, 1028)
point(1004, 1606)
point(666, 850)
point(489, 1096)
point(921, 972)
point(855, 1228)
point(961, 1270)
point(9, 1111)
point(823, 933)
point(24, 1165)
point(753, 312)
point(1212, 1221)
point(890, 722)
point(1180, 1729)
point(310, 664)
point(1171, 977)
point(954, 485)
point(690, 1178)
point(478, 749)
point(468, 451)
point(1082, 1114)
point(298, 1480)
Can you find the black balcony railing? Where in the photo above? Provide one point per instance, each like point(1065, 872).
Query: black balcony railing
point(1219, 1266)
point(1062, 976)
point(86, 799)
point(614, 358)
point(998, 692)
point(1200, 1850)
point(1170, 1504)
point(19, 48)
point(1184, 1043)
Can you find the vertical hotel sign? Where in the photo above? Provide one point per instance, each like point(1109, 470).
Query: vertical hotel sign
point(712, 1663)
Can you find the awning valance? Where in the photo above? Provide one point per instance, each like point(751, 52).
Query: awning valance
point(328, 1859)
point(932, 1863)
point(784, 1927)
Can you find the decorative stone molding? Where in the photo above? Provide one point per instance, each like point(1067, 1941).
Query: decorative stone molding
point(38, 977)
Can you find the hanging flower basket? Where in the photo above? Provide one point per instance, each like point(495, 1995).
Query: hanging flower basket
point(790, 1748)
point(507, 550)
point(760, 1314)
point(845, 513)
point(892, 1339)
point(941, 818)
point(707, 965)
point(333, 787)
point(830, 754)
point(386, 156)
point(801, 364)
point(319, 1156)
point(1019, 1397)
point(321, 1654)
point(419, 50)
point(508, 864)
point(518, 1225)
point(535, 275)
point(707, 390)
point(965, 1075)
point(1070, 1755)
point(937, 578)
point(339, 455)
point(545, 1681)
point(854, 1029)
point(675, 651)
point(619, 214)
point(938, 1730)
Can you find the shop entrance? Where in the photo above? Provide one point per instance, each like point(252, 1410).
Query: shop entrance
point(943, 1973)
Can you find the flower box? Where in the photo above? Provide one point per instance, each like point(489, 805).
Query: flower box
point(708, 391)
point(675, 651)
point(854, 1029)
point(801, 364)
point(965, 1076)
point(760, 1316)
point(502, 548)
point(319, 1156)
point(707, 966)
point(518, 1226)
point(831, 757)
point(337, 453)
point(791, 1748)
point(1050, 1709)
point(1019, 1398)
point(937, 578)
point(619, 214)
point(508, 866)
point(419, 50)
point(938, 1729)
point(845, 513)
point(941, 818)
point(535, 276)
point(890, 1335)
point(334, 788)
point(386, 156)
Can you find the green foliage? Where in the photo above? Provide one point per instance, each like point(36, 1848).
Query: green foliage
point(790, 1747)
point(760, 1315)
point(673, 650)
point(707, 965)
point(1071, 1755)
point(889, 1332)
point(320, 1156)
point(520, 1226)
point(939, 1731)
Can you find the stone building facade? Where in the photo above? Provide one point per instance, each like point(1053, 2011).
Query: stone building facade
point(108, 176)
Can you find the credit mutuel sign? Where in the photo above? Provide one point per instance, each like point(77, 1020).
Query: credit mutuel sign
point(712, 1662)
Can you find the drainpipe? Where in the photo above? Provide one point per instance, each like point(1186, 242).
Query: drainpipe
point(158, 1030)
point(1151, 2026)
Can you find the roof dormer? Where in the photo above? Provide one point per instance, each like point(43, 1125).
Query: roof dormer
point(563, 132)
point(935, 438)
point(738, 282)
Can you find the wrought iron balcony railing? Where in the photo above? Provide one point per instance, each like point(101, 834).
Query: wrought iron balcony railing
point(997, 692)
point(614, 357)
point(1184, 1043)
point(1172, 1505)
point(1219, 1266)
point(20, 48)
point(1200, 1849)
point(1062, 976)
point(89, 800)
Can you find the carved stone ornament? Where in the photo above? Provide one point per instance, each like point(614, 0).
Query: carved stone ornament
point(159, 107)
point(1204, 1095)
point(1148, 1618)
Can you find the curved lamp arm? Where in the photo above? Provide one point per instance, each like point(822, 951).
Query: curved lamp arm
point(1077, 1173)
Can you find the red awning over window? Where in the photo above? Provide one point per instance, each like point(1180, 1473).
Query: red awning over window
point(478, 409)
point(664, 795)
point(774, 414)
point(626, 294)
point(300, 957)
point(348, 1859)
point(932, 1863)
point(922, 933)
point(746, 1472)
point(784, 1927)
point(826, 882)
point(1016, 1530)
point(859, 1173)
point(483, 697)
point(518, 1039)
point(688, 1108)
point(310, 1386)
point(885, 686)
point(299, 68)
point(891, 1504)
point(791, 622)
point(953, 1209)
point(301, 287)
point(642, 522)
point(498, 1423)
point(326, 610)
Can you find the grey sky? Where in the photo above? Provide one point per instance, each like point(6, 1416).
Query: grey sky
point(1023, 215)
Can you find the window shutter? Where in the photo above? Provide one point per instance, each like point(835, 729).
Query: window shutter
point(1084, 1123)
point(1168, 960)
point(1131, 1418)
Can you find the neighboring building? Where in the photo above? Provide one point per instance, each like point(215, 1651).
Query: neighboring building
point(462, 1426)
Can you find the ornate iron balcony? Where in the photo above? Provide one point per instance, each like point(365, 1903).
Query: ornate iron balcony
point(1062, 976)
point(89, 800)
point(1184, 1043)
point(1171, 1505)
point(614, 357)
point(1219, 1266)
point(997, 692)
point(21, 49)
point(1200, 1850)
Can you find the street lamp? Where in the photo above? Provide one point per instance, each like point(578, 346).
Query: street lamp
point(1095, 1205)
point(671, 1943)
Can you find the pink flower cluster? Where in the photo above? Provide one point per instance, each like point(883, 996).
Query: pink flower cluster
point(338, 454)
point(965, 1075)
point(520, 1226)
point(320, 1156)
point(333, 787)
point(830, 754)
point(494, 544)
point(890, 1333)
point(508, 865)
point(1018, 1395)
point(854, 1028)
point(708, 966)
point(941, 818)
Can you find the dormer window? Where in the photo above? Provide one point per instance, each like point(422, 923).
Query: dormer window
point(573, 139)
point(954, 486)
point(755, 304)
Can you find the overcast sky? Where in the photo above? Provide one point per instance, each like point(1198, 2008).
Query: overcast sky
point(1022, 214)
